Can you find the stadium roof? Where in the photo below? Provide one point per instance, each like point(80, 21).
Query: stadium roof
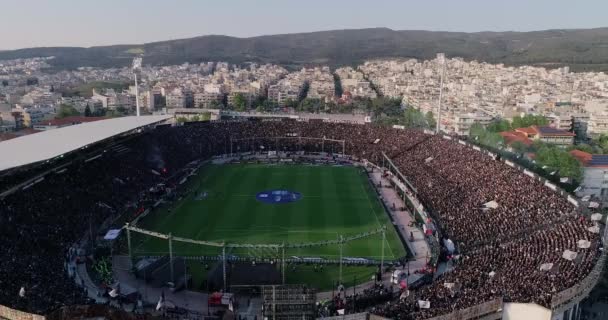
point(53, 143)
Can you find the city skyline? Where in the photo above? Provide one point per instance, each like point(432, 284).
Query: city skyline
point(84, 24)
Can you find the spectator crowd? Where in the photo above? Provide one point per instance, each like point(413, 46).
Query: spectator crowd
point(502, 248)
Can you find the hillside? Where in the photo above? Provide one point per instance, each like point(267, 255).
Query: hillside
point(582, 49)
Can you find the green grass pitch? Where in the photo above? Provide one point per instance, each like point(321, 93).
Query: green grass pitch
point(335, 201)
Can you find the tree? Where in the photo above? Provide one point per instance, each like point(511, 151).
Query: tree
point(430, 120)
point(492, 139)
point(310, 105)
point(215, 104)
point(337, 85)
point(561, 160)
point(476, 130)
point(239, 102)
point(195, 118)
point(602, 141)
point(100, 112)
point(304, 91)
point(289, 103)
point(485, 137)
point(87, 111)
point(181, 120)
point(413, 118)
point(206, 116)
point(519, 147)
point(499, 125)
point(529, 120)
point(66, 110)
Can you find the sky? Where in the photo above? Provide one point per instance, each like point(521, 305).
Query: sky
point(38, 23)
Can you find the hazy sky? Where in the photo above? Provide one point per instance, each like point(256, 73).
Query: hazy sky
point(35, 23)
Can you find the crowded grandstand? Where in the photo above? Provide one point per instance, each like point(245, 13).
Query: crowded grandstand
point(514, 249)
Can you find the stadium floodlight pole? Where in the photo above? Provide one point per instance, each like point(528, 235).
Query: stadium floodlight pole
point(171, 257)
point(129, 242)
point(283, 262)
point(136, 68)
point(438, 129)
point(224, 265)
point(382, 259)
point(341, 248)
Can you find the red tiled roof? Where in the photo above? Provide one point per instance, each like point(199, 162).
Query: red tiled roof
point(511, 137)
point(582, 156)
point(527, 130)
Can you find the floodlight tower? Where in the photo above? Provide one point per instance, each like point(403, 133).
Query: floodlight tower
point(441, 58)
point(136, 69)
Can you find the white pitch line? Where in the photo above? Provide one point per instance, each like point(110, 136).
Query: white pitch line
point(376, 215)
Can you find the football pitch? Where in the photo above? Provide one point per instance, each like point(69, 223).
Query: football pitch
point(241, 203)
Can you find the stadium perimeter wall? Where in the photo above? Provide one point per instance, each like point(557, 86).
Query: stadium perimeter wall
point(356, 316)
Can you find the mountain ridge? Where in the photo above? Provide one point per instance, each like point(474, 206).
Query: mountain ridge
point(582, 49)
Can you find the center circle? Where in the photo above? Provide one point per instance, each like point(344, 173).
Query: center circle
point(278, 196)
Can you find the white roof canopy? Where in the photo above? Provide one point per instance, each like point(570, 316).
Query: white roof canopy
point(53, 143)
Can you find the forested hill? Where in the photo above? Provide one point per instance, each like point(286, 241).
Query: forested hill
point(582, 49)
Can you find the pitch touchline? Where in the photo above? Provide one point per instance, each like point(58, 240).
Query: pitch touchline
point(376, 215)
point(303, 196)
point(304, 256)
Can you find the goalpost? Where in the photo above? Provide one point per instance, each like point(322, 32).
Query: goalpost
point(276, 141)
point(340, 242)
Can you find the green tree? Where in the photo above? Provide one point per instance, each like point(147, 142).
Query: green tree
point(476, 130)
point(561, 160)
point(181, 119)
point(195, 118)
point(66, 110)
point(337, 85)
point(499, 125)
point(485, 137)
point(215, 104)
point(430, 120)
point(413, 118)
point(87, 112)
point(529, 120)
point(602, 141)
point(310, 105)
point(240, 102)
point(492, 139)
point(290, 103)
point(519, 147)
point(206, 116)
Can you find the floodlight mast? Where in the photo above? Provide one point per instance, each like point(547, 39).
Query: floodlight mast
point(136, 68)
point(440, 56)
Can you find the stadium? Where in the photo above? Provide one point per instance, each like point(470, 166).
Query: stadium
point(312, 217)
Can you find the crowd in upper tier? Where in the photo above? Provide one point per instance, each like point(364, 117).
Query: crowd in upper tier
point(503, 248)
